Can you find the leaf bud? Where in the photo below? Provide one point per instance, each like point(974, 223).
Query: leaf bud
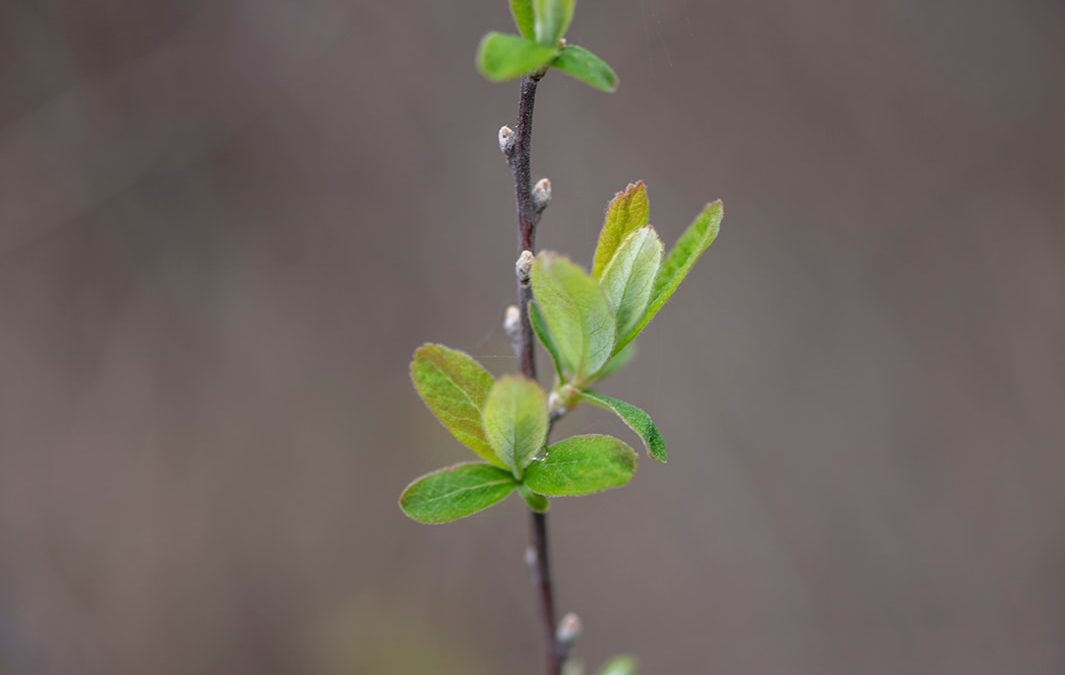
point(506, 140)
point(569, 629)
point(556, 407)
point(541, 194)
point(562, 399)
point(523, 267)
point(532, 560)
point(512, 322)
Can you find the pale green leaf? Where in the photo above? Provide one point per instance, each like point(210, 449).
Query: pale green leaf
point(581, 465)
point(522, 11)
point(572, 667)
point(454, 387)
point(455, 492)
point(552, 18)
point(536, 501)
point(586, 67)
point(539, 326)
point(691, 244)
point(617, 361)
point(619, 665)
point(635, 418)
point(503, 57)
point(626, 212)
point(576, 313)
point(515, 420)
point(629, 277)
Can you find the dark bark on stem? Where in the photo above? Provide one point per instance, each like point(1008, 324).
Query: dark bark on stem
point(528, 217)
point(541, 573)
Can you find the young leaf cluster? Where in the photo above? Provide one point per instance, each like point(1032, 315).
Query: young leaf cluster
point(505, 422)
point(540, 45)
point(587, 322)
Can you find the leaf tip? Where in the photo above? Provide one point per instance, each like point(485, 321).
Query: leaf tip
point(549, 257)
point(418, 354)
point(715, 212)
point(631, 189)
point(715, 208)
point(402, 503)
point(480, 60)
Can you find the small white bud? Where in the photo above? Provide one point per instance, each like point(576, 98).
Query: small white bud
point(512, 322)
point(569, 629)
point(531, 558)
point(506, 139)
point(555, 406)
point(523, 266)
point(541, 194)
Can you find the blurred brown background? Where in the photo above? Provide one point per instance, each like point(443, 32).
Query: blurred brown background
point(225, 225)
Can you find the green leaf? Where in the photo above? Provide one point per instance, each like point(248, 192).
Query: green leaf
point(572, 667)
point(504, 57)
point(617, 361)
point(636, 419)
point(586, 67)
point(581, 465)
point(540, 328)
point(629, 276)
point(454, 387)
point(536, 501)
point(691, 244)
point(455, 492)
point(576, 313)
point(626, 212)
point(515, 420)
point(552, 19)
point(619, 665)
point(522, 11)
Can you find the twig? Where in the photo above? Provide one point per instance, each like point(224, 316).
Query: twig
point(517, 146)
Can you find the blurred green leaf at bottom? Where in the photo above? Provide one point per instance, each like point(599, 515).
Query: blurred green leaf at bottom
point(619, 665)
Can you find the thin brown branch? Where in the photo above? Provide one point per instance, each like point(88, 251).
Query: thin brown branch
point(529, 210)
point(520, 162)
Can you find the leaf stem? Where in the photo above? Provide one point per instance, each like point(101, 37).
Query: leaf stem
point(519, 159)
